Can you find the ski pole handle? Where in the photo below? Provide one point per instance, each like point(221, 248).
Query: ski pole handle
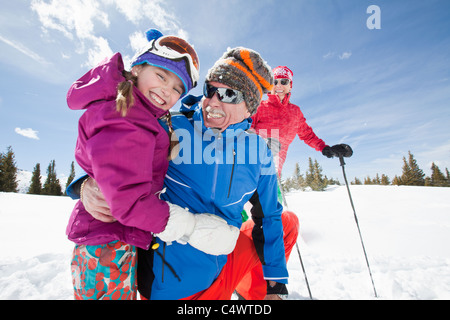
point(341, 159)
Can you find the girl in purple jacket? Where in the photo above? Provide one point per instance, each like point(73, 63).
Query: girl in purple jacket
point(124, 148)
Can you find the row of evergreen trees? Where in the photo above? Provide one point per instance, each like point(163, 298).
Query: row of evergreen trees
point(412, 175)
point(313, 178)
point(8, 176)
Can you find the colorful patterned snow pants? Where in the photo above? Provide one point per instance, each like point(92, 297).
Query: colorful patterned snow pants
point(104, 272)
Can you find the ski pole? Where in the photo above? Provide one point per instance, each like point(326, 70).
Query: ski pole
point(296, 243)
point(341, 159)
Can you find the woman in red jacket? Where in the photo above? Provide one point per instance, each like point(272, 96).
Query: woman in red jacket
point(279, 119)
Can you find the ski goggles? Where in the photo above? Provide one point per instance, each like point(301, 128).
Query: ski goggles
point(174, 48)
point(225, 95)
point(283, 82)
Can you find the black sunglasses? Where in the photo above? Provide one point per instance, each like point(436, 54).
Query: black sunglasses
point(225, 95)
point(282, 81)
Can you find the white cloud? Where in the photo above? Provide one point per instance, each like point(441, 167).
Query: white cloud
point(138, 10)
point(329, 55)
point(20, 47)
point(77, 19)
point(27, 133)
point(345, 55)
point(68, 17)
point(98, 52)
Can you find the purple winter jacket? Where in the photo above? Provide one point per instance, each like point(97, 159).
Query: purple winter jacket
point(127, 156)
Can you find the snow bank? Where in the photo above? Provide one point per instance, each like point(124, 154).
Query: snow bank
point(406, 231)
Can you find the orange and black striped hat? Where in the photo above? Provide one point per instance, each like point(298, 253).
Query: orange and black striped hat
point(244, 70)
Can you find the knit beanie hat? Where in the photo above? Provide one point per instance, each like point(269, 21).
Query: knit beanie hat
point(178, 67)
point(283, 72)
point(244, 70)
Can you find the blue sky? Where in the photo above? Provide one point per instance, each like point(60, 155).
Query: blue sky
point(383, 91)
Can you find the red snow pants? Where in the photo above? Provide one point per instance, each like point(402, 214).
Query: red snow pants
point(243, 270)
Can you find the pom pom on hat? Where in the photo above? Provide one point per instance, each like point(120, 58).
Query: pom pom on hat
point(153, 34)
point(244, 70)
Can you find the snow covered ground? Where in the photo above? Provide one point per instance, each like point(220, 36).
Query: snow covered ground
point(406, 231)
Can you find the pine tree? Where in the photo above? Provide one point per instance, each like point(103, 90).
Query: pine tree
point(405, 178)
point(437, 177)
point(8, 171)
point(287, 185)
point(51, 184)
point(356, 181)
point(36, 185)
point(397, 181)
point(298, 182)
point(309, 175)
point(368, 180)
point(318, 183)
point(412, 174)
point(377, 179)
point(71, 177)
point(418, 177)
point(385, 180)
point(332, 181)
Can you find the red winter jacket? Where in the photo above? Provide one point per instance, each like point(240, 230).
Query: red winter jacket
point(288, 120)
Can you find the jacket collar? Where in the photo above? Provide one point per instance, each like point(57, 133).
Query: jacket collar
point(273, 99)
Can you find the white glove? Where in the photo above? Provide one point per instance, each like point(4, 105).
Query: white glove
point(179, 226)
point(213, 235)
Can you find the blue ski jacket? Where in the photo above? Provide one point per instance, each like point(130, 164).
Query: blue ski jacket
point(217, 173)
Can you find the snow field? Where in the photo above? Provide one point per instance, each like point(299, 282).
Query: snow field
point(406, 232)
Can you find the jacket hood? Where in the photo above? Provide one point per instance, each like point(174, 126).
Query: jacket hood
point(100, 83)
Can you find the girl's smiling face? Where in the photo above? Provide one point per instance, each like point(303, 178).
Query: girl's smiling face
point(162, 87)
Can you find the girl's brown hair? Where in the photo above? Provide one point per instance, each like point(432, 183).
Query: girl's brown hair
point(125, 100)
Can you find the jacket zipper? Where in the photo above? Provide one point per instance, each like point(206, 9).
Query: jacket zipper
point(232, 173)
point(215, 174)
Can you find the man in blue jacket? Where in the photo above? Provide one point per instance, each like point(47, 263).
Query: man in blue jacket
point(219, 168)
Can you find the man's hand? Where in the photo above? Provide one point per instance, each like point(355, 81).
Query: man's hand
point(94, 201)
point(276, 291)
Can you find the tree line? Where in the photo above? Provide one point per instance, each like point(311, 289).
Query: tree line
point(51, 186)
point(313, 178)
point(411, 175)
